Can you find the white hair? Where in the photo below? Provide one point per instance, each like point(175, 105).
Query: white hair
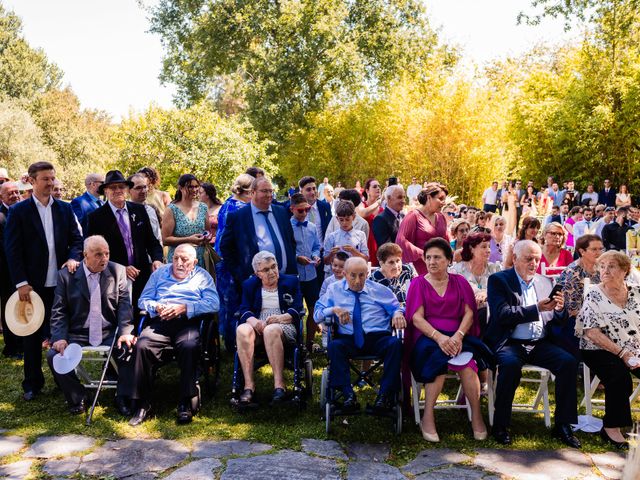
point(260, 257)
point(522, 245)
point(94, 241)
point(190, 249)
point(92, 177)
point(354, 262)
point(391, 190)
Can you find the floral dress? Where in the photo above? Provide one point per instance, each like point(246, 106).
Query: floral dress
point(186, 227)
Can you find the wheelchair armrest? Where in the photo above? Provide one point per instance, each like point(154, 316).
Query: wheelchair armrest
point(144, 316)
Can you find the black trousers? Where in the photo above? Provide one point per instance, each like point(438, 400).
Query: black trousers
point(12, 343)
point(74, 392)
point(510, 359)
point(180, 333)
point(33, 377)
point(618, 386)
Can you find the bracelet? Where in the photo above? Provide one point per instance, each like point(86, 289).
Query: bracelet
point(433, 334)
point(461, 333)
point(621, 352)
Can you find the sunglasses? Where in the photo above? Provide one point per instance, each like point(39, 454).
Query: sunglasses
point(303, 210)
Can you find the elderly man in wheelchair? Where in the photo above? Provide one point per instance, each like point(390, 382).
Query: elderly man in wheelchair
point(176, 297)
point(366, 312)
point(270, 317)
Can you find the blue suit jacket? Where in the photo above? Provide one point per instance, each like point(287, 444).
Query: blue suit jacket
point(608, 199)
point(504, 296)
point(288, 294)
point(82, 206)
point(26, 245)
point(238, 244)
point(325, 213)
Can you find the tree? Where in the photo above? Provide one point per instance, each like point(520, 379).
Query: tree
point(193, 140)
point(291, 57)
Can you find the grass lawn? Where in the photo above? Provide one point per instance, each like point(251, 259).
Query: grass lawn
point(282, 428)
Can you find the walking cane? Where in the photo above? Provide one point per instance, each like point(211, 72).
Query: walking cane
point(104, 372)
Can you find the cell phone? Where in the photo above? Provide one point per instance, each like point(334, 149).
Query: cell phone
point(557, 288)
point(393, 181)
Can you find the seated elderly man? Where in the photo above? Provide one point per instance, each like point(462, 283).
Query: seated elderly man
point(269, 315)
point(519, 330)
point(366, 312)
point(88, 306)
point(175, 296)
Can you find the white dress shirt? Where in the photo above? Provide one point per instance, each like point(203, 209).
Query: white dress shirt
point(46, 218)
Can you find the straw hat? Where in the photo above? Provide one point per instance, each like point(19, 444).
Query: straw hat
point(23, 318)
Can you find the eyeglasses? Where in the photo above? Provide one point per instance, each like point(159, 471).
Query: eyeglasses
point(303, 210)
point(269, 269)
point(193, 187)
point(556, 234)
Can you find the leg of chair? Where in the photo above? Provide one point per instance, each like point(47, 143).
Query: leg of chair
point(544, 386)
point(245, 339)
point(491, 395)
point(415, 397)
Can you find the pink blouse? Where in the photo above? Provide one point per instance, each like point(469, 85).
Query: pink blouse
point(415, 230)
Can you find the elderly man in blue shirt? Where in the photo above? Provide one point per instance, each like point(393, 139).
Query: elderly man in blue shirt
point(366, 311)
point(175, 296)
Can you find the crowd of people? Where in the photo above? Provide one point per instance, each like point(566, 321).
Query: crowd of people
point(543, 276)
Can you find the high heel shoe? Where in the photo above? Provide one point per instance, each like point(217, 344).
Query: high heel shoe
point(619, 445)
point(430, 437)
point(480, 435)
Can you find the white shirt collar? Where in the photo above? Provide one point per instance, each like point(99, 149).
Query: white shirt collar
point(115, 209)
point(40, 204)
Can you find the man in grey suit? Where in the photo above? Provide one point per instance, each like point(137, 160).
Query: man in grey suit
point(88, 306)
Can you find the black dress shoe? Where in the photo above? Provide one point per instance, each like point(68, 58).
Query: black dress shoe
point(184, 414)
point(123, 404)
point(78, 408)
point(246, 396)
point(279, 395)
point(382, 404)
point(564, 433)
point(29, 395)
point(350, 403)
point(501, 435)
point(608, 439)
point(140, 416)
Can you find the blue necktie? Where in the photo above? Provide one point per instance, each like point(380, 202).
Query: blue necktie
point(301, 224)
point(358, 332)
point(274, 239)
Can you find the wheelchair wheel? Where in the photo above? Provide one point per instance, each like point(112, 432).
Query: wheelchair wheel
point(324, 389)
point(308, 372)
point(397, 420)
point(327, 417)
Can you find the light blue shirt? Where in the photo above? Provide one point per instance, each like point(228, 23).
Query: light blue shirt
point(338, 238)
point(378, 304)
point(307, 245)
point(197, 291)
point(263, 237)
point(583, 227)
point(530, 330)
point(327, 281)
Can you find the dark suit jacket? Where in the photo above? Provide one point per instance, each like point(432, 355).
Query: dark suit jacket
point(72, 302)
point(288, 294)
point(26, 245)
point(608, 199)
point(6, 285)
point(238, 244)
point(82, 206)
point(103, 222)
point(325, 213)
point(504, 296)
point(385, 227)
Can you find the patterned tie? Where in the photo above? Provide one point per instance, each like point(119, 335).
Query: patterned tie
point(274, 238)
point(358, 332)
point(126, 234)
point(95, 310)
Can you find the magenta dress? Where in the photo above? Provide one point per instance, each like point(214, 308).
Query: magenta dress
point(570, 240)
point(415, 230)
point(443, 313)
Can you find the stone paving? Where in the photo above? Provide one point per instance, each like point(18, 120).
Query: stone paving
point(73, 456)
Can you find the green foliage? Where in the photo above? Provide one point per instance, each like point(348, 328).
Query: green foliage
point(193, 140)
point(290, 57)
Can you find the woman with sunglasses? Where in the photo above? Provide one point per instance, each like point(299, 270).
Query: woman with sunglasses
point(186, 218)
point(554, 256)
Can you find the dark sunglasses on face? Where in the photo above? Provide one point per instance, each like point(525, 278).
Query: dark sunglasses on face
point(303, 210)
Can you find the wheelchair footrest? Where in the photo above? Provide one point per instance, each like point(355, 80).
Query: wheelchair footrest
point(390, 413)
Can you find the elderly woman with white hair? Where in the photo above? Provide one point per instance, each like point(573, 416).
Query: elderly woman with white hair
point(269, 316)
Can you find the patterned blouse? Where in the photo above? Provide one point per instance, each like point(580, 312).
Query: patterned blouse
point(572, 281)
point(398, 285)
point(621, 325)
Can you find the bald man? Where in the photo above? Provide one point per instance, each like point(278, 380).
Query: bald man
point(88, 305)
point(366, 311)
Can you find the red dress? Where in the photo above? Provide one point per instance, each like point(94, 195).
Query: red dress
point(371, 241)
point(415, 230)
point(564, 260)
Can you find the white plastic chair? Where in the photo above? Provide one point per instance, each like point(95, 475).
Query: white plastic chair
point(418, 404)
point(541, 402)
point(590, 387)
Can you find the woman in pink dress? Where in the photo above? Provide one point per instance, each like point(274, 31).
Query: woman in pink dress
point(554, 256)
point(368, 209)
point(209, 196)
point(423, 224)
point(441, 323)
point(575, 215)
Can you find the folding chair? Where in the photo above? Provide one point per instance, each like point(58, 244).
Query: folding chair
point(447, 404)
point(542, 394)
point(590, 387)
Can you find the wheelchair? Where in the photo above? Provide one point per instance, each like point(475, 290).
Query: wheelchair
point(209, 362)
point(330, 399)
point(296, 358)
